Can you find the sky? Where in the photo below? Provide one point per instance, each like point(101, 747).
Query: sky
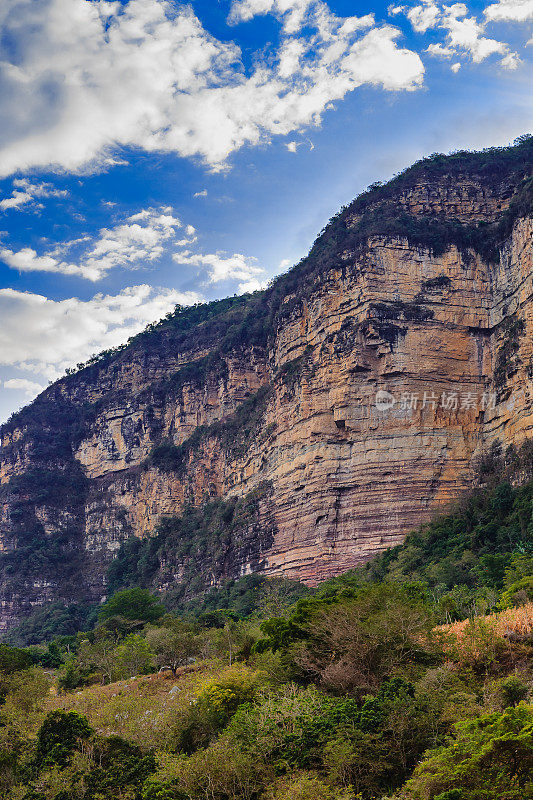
point(154, 152)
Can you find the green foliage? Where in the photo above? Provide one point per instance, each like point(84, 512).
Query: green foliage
point(513, 691)
point(217, 702)
point(351, 640)
point(118, 769)
point(132, 604)
point(489, 758)
point(473, 547)
point(506, 357)
point(517, 593)
point(59, 736)
point(174, 645)
point(13, 659)
point(109, 659)
point(235, 434)
point(202, 544)
point(307, 787)
point(253, 594)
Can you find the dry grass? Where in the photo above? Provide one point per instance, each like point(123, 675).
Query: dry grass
point(143, 710)
point(515, 620)
point(481, 643)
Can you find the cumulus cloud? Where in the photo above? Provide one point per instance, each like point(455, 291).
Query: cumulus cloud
point(221, 267)
point(44, 336)
point(30, 388)
point(25, 192)
point(510, 11)
point(140, 239)
point(80, 78)
point(464, 34)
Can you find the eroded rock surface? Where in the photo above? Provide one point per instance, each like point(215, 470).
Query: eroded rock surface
point(360, 396)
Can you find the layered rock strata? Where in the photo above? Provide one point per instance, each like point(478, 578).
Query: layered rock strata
point(361, 395)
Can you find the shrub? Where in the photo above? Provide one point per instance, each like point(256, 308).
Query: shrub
point(352, 645)
point(489, 758)
point(216, 703)
point(306, 787)
point(517, 594)
point(59, 736)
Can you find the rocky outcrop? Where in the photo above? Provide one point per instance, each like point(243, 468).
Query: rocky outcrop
point(359, 389)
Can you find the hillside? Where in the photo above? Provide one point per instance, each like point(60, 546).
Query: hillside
point(361, 698)
point(246, 432)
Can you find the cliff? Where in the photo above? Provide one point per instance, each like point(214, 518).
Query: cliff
point(299, 430)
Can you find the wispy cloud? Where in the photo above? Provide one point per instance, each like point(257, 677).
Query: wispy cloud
point(140, 239)
point(25, 192)
point(510, 11)
point(221, 267)
point(464, 32)
point(30, 388)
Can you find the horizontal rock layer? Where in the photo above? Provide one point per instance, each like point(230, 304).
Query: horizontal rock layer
point(362, 403)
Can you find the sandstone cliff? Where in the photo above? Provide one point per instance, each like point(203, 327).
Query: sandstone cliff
point(312, 424)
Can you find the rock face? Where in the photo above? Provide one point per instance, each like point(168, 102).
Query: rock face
point(330, 414)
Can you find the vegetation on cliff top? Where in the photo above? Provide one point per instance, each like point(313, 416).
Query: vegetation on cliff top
point(251, 319)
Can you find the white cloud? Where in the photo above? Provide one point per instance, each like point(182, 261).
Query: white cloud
point(284, 264)
point(44, 336)
point(511, 61)
point(423, 17)
point(30, 388)
point(221, 267)
point(455, 67)
point(203, 193)
point(464, 33)
point(510, 11)
point(25, 192)
point(90, 77)
point(440, 50)
point(27, 260)
point(293, 12)
point(140, 239)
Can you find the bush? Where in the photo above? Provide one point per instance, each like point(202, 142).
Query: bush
point(215, 705)
point(59, 736)
point(517, 594)
point(306, 787)
point(352, 644)
point(489, 758)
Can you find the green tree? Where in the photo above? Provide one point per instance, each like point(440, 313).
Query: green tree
point(489, 758)
point(13, 659)
point(59, 736)
point(173, 646)
point(132, 656)
point(132, 604)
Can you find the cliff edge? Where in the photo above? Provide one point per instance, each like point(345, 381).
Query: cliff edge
point(299, 430)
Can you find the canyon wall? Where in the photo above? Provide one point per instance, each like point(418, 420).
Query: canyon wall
point(341, 407)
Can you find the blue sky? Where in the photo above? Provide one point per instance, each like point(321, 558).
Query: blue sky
point(155, 152)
